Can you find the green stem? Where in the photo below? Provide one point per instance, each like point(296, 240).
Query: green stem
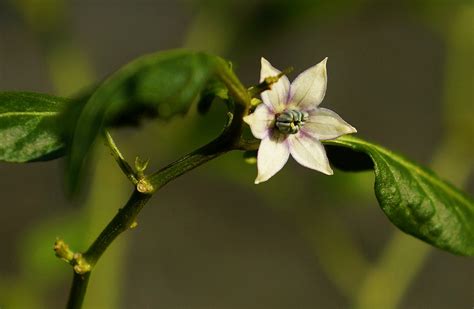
point(78, 290)
point(125, 218)
point(122, 221)
point(187, 163)
point(127, 215)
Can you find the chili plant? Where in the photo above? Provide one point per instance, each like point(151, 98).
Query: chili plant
point(284, 119)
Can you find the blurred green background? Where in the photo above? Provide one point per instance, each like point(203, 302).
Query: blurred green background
point(401, 72)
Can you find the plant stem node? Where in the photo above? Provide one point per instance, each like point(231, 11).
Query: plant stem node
point(144, 186)
point(81, 266)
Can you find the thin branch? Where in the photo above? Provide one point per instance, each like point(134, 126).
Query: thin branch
point(189, 162)
point(123, 220)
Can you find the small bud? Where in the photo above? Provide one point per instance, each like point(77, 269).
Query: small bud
point(62, 251)
point(134, 224)
point(143, 186)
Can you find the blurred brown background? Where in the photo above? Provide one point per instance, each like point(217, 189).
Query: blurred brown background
point(401, 72)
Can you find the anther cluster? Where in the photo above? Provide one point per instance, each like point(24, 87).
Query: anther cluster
point(290, 121)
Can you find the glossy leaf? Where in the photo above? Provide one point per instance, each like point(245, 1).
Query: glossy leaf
point(28, 126)
point(159, 85)
point(415, 199)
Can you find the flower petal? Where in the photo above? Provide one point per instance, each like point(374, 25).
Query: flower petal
point(309, 152)
point(308, 89)
point(276, 97)
point(260, 121)
point(325, 124)
point(272, 155)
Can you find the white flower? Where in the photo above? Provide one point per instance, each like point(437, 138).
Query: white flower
point(290, 122)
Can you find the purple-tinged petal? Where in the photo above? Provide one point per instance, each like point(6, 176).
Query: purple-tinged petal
point(308, 89)
point(272, 155)
point(260, 121)
point(276, 97)
point(309, 152)
point(325, 124)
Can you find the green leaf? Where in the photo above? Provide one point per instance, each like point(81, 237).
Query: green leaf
point(28, 126)
point(413, 197)
point(161, 85)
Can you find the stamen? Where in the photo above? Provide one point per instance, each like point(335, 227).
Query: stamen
point(290, 121)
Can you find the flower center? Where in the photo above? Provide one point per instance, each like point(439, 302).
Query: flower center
point(290, 121)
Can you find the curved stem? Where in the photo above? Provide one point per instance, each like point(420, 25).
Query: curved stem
point(127, 215)
point(125, 218)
